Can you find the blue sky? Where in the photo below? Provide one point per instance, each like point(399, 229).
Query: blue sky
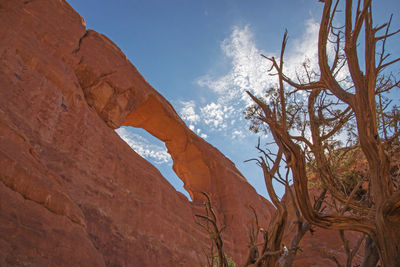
point(202, 54)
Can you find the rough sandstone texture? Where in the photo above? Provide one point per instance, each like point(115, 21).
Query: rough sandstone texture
point(72, 193)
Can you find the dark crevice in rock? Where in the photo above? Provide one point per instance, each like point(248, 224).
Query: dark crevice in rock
point(76, 50)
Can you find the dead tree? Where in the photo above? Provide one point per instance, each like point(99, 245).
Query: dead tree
point(350, 253)
point(272, 247)
point(303, 227)
point(371, 254)
point(254, 231)
point(333, 104)
point(210, 223)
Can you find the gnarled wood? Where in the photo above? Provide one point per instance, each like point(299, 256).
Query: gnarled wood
point(381, 212)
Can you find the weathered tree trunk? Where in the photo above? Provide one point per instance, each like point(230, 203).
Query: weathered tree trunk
point(371, 254)
point(380, 218)
point(288, 261)
point(271, 251)
point(387, 217)
point(275, 240)
point(387, 242)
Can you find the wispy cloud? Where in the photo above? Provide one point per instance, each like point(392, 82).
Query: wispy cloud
point(155, 153)
point(303, 50)
point(215, 115)
point(248, 70)
point(224, 113)
point(188, 113)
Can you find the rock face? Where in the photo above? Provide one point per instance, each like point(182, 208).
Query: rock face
point(71, 191)
point(121, 96)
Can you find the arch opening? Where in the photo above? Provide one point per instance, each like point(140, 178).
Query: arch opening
point(154, 151)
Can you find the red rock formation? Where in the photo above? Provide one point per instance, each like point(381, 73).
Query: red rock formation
point(72, 192)
point(84, 189)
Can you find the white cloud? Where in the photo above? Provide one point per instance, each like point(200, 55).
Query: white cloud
point(188, 113)
point(237, 134)
point(303, 50)
point(191, 118)
point(248, 68)
point(249, 72)
point(155, 153)
point(215, 115)
point(199, 133)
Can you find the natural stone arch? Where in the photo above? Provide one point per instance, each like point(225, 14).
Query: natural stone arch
point(183, 145)
point(121, 97)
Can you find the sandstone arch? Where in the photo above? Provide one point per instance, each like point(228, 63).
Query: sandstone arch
point(121, 96)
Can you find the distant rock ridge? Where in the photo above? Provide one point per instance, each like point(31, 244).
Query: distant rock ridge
point(72, 193)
